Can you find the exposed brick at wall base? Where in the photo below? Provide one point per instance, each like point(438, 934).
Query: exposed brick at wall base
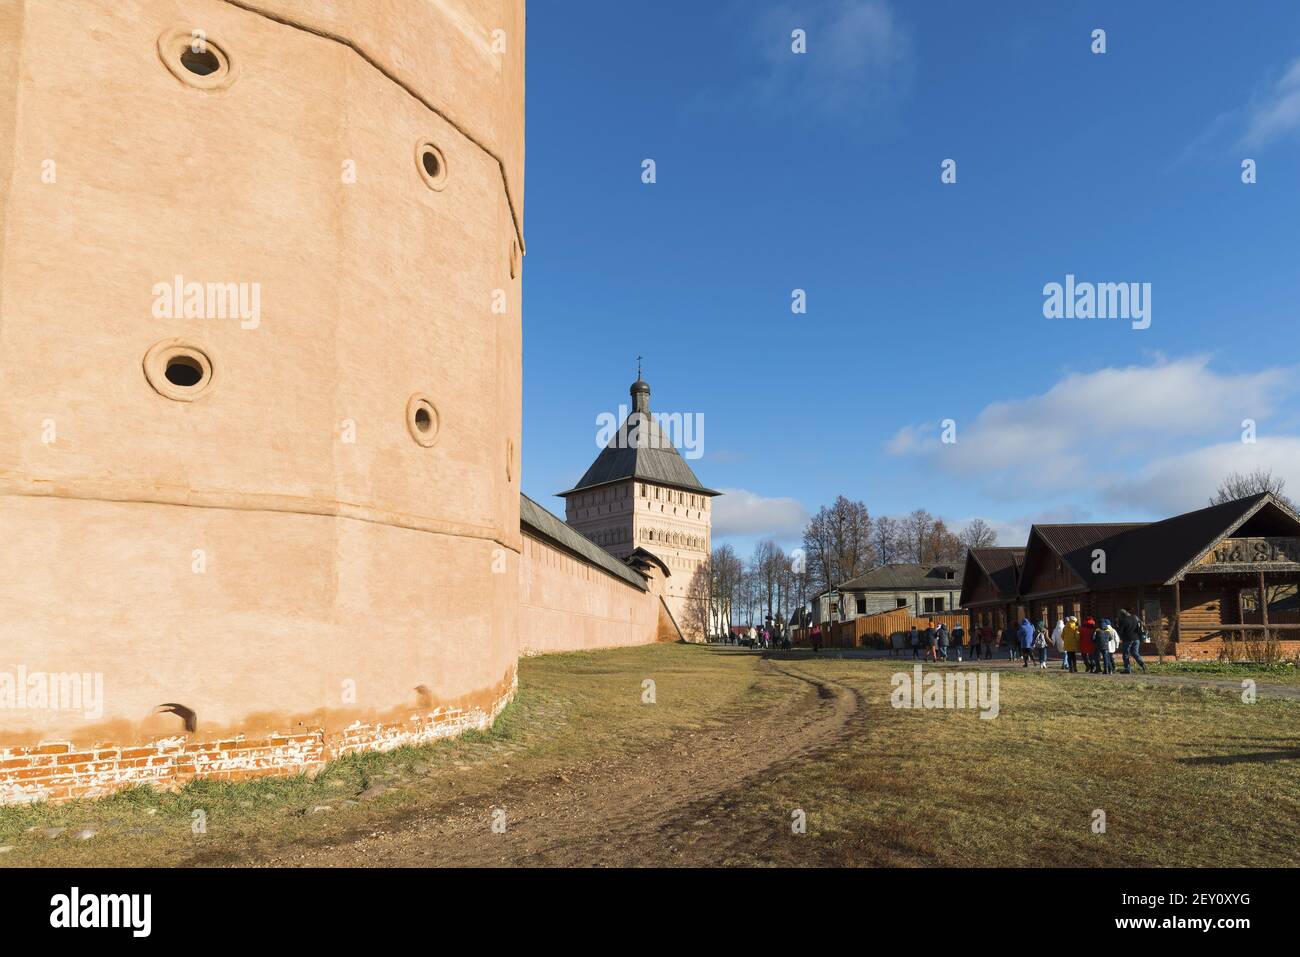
point(55, 771)
point(1210, 650)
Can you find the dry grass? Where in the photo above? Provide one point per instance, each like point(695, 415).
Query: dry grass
point(570, 709)
point(1186, 776)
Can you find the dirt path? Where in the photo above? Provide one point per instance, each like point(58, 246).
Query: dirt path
point(667, 805)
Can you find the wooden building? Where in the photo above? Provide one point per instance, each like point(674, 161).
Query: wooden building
point(920, 589)
point(990, 586)
point(1229, 571)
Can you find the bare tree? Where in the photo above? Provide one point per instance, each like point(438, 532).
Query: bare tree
point(800, 580)
point(942, 546)
point(767, 564)
point(711, 591)
point(978, 534)
point(837, 542)
point(917, 528)
point(887, 540)
point(700, 604)
point(1236, 485)
point(727, 569)
point(745, 600)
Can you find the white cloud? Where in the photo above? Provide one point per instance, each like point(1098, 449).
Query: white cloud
point(1092, 430)
point(857, 52)
point(1183, 482)
point(1276, 113)
point(741, 512)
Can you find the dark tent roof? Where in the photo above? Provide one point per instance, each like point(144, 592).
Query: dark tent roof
point(1000, 564)
point(640, 450)
point(1156, 553)
point(904, 576)
point(1074, 544)
point(542, 522)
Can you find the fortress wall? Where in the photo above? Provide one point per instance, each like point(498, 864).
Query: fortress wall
point(445, 52)
point(570, 605)
point(335, 547)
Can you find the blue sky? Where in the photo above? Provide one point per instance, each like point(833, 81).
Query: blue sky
point(821, 172)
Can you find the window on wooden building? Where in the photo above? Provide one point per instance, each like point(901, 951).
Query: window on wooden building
point(1280, 598)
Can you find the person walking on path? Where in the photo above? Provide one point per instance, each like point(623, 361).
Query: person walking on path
point(1088, 647)
point(1058, 642)
point(915, 639)
point(1040, 643)
point(1027, 631)
point(1070, 638)
point(929, 640)
point(1107, 640)
point(1131, 634)
point(1011, 639)
point(958, 639)
point(941, 641)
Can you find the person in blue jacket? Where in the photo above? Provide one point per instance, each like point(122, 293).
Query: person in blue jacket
point(1026, 640)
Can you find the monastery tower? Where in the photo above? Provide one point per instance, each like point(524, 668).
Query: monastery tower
point(641, 494)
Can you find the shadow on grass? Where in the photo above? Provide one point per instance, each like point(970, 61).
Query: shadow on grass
point(1253, 757)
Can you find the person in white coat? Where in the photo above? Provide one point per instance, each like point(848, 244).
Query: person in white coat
point(1058, 641)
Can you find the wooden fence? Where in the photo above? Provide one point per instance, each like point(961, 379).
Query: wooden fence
point(874, 631)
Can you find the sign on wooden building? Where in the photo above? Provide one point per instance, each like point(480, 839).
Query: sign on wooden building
point(1236, 553)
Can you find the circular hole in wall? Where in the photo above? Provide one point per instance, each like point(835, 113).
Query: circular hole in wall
point(184, 371)
point(178, 369)
point(200, 62)
point(196, 59)
point(422, 420)
point(432, 165)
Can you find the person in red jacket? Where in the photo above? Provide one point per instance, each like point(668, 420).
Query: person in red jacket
point(1088, 647)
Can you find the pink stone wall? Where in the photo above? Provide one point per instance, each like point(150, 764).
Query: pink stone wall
point(350, 571)
point(566, 604)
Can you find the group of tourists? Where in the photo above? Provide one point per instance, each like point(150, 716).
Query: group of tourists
point(1093, 644)
point(935, 643)
point(765, 637)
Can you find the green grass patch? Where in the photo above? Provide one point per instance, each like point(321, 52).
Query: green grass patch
point(1281, 673)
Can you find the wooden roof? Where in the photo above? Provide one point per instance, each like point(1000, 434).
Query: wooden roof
point(640, 450)
point(906, 576)
point(998, 566)
point(534, 518)
point(1150, 553)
